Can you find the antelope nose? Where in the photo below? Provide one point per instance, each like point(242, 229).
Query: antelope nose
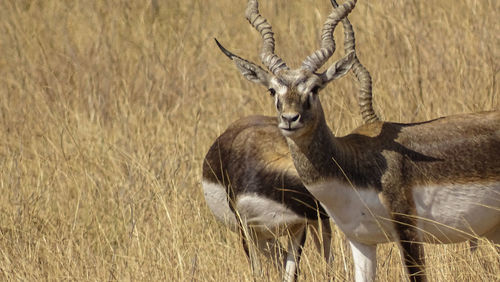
point(290, 117)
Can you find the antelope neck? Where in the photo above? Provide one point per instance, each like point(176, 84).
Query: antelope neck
point(319, 156)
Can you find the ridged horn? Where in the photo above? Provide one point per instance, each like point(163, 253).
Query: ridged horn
point(364, 78)
point(272, 61)
point(314, 61)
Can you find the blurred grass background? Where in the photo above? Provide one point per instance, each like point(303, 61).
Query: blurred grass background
point(108, 107)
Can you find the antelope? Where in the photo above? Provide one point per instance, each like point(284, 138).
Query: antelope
point(436, 181)
point(251, 185)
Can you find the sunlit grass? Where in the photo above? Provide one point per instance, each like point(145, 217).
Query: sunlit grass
point(108, 107)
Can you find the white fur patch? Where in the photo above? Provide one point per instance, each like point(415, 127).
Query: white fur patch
point(358, 212)
point(216, 198)
point(365, 261)
point(454, 213)
point(264, 215)
point(278, 87)
point(445, 214)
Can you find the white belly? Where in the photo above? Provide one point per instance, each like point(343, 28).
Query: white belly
point(446, 213)
point(265, 216)
point(456, 213)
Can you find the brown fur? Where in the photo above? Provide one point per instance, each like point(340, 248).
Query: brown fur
point(252, 157)
point(254, 153)
point(452, 150)
point(396, 158)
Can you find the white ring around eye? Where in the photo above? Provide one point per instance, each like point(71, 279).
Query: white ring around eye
point(301, 88)
point(278, 87)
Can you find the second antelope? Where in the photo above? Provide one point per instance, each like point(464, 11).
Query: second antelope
point(436, 181)
point(251, 185)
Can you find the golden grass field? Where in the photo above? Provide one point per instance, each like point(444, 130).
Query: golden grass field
point(107, 109)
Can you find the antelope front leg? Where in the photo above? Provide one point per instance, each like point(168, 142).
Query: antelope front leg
point(322, 235)
point(365, 261)
point(292, 260)
point(412, 254)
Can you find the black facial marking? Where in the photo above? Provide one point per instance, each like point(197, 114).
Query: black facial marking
point(278, 104)
point(315, 90)
point(307, 103)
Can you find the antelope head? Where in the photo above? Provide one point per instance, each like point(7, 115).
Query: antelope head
point(295, 90)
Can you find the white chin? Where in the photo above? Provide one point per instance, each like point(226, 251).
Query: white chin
point(288, 133)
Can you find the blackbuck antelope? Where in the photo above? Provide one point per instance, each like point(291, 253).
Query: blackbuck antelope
point(436, 181)
point(251, 185)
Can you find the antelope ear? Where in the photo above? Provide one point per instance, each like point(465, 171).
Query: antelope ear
point(252, 72)
point(249, 70)
point(339, 68)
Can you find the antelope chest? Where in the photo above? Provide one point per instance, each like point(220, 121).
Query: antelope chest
point(359, 213)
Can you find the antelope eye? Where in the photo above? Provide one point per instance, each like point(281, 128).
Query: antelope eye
point(272, 92)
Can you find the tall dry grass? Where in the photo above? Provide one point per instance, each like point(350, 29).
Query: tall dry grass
point(108, 107)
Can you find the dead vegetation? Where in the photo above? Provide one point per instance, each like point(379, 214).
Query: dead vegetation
point(108, 107)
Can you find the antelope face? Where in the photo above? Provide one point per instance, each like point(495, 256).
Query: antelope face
point(295, 91)
point(295, 96)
